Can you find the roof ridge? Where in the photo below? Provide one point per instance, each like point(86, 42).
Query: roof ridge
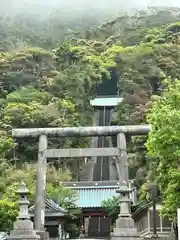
point(93, 187)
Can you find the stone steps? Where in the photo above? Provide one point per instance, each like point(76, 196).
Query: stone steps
point(86, 171)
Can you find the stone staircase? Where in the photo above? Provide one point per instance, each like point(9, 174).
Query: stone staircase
point(86, 172)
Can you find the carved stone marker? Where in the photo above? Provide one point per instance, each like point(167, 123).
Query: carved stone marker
point(23, 226)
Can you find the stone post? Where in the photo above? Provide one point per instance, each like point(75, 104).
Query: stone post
point(153, 189)
point(125, 228)
point(23, 226)
point(41, 185)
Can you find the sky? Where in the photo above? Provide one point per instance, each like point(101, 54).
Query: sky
point(12, 7)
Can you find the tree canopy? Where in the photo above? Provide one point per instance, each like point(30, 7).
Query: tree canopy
point(49, 72)
point(164, 143)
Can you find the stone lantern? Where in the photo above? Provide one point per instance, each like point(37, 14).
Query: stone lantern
point(23, 202)
point(125, 228)
point(23, 226)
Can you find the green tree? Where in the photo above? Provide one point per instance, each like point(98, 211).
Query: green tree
point(164, 143)
point(8, 214)
point(6, 144)
point(27, 173)
point(40, 87)
point(112, 207)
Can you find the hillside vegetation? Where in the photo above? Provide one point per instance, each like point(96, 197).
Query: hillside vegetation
point(49, 71)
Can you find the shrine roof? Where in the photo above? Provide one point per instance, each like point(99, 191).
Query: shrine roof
point(106, 101)
point(51, 209)
point(92, 195)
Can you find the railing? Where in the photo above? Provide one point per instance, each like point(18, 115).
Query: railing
point(164, 231)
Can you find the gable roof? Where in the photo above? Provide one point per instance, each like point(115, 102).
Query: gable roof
point(51, 209)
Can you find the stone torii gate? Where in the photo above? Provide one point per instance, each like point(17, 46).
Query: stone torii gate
point(124, 224)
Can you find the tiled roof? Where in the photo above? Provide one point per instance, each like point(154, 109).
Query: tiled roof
point(51, 209)
point(93, 196)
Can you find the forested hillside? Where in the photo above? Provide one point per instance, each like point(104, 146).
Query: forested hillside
point(49, 69)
